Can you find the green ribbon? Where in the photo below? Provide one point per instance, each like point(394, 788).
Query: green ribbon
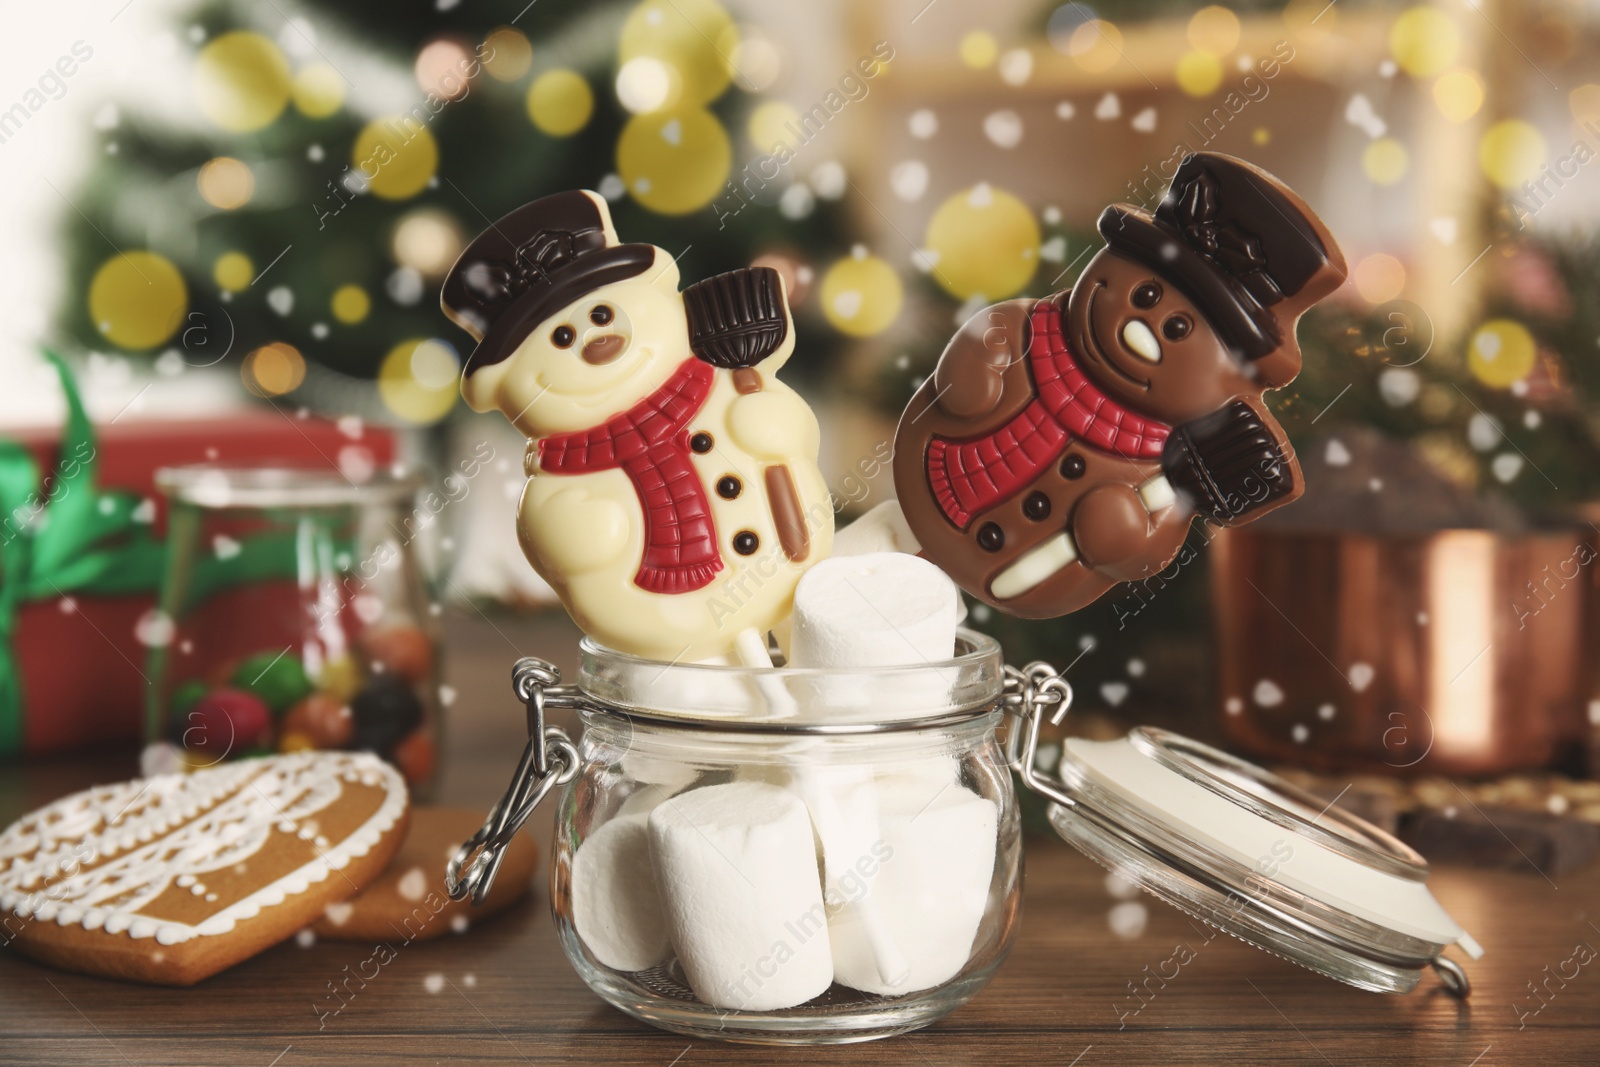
point(81, 539)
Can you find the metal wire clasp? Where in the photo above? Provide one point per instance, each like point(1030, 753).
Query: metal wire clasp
point(549, 759)
point(1028, 693)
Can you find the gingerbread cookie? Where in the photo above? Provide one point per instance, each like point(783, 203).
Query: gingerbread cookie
point(408, 901)
point(171, 879)
point(1063, 445)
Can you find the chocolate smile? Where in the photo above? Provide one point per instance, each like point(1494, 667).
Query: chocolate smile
point(1091, 343)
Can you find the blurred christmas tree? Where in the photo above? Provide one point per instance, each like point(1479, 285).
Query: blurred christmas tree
point(340, 156)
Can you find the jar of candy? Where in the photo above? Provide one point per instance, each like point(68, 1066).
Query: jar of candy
point(294, 615)
point(805, 856)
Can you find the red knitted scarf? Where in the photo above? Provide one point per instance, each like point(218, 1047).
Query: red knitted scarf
point(968, 477)
point(648, 442)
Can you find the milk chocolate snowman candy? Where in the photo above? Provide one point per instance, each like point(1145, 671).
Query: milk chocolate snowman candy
point(1062, 445)
point(673, 496)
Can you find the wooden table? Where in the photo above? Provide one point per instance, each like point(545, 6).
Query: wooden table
point(505, 994)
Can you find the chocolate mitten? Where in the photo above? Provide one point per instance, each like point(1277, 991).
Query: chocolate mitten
point(1228, 464)
point(737, 319)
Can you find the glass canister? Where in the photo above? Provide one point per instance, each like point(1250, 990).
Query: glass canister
point(793, 856)
point(822, 856)
point(294, 615)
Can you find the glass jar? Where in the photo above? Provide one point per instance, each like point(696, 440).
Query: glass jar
point(294, 615)
point(820, 856)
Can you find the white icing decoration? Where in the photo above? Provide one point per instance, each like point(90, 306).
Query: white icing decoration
point(148, 834)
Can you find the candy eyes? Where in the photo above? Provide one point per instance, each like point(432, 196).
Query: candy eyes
point(601, 315)
point(1176, 327)
point(563, 336)
point(1147, 295)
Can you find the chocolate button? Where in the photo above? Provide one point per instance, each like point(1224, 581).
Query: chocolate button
point(746, 542)
point(1073, 466)
point(728, 487)
point(1036, 507)
point(701, 442)
point(991, 537)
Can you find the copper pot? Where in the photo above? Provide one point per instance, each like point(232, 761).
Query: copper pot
point(1450, 652)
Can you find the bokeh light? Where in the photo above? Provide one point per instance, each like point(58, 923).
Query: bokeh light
point(674, 162)
point(318, 90)
point(1379, 278)
point(397, 155)
point(1214, 30)
point(1424, 41)
point(1459, 94)
point(1511, 152)
point(241, 81)
point(1310, 18)
point(1096, 45)
point(435, 365)
point(350, 304)
point(978, 49)
point(1385, 161)
point(1501, 353)
point(1064, 22)
point(428, 241)
point(645, 84)
point(985, 242)
point(560, 102)
point(404, 394)
point(1199, 73)
point(273, 369)
point(441, 68)
point(691, 37)
point(137, 299)
point(507, 55)
point(232, 271)
point(225, 183)
point(756, 62)
point(861, 294)
point(770, 126)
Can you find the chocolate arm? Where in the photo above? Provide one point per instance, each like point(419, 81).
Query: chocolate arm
point(737, 319)
point(1234, 465)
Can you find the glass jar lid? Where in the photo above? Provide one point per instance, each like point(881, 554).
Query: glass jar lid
point(1251, 854)
point(837, 701)
point(212, 486)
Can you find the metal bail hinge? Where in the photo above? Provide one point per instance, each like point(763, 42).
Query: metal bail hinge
point(549, 759)
point(1029, 693)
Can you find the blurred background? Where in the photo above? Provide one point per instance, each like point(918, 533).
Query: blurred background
point(195, 227)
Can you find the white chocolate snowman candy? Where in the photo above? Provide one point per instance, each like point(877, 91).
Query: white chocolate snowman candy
point(673, 496)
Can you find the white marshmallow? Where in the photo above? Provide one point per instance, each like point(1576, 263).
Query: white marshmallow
point(931, 881)
point(881, 609)
point(849, 837)
point(882, 529)
point(737, 867)
point(615, 904)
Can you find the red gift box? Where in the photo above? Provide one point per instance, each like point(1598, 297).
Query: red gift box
point(81, 666)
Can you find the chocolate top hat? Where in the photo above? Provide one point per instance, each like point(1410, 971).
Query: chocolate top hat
point(532, 263)
point(1238, 242)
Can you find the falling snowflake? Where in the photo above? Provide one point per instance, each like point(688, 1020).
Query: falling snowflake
point(1267, 693)
point(1128, 919)
point(1004, 129)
